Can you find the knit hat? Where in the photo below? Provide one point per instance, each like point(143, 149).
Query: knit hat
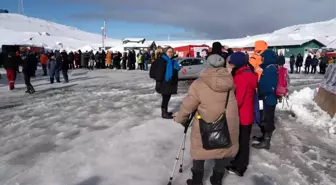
point(238, 59)
point(216, 48)
point(215, 61)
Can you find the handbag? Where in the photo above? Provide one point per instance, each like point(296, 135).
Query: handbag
point(216, 135)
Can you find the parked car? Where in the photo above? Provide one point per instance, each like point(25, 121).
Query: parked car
point(190, 67)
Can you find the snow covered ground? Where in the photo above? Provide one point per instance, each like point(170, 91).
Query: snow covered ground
point(104, 128)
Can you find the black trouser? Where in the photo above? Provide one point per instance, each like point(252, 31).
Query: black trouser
point(44, 67)
point(242, 158)
point(307, 69)
point(269, 114)
point(313, 71)
point(65, 75)
point(27, 80)
point(298, 69)
point(220, 164)
point(165, 101)
point(292, 68)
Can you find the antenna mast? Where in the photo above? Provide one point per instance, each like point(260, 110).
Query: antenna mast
point(20, 7)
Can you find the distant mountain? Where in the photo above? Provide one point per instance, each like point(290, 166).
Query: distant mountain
point(19, 29)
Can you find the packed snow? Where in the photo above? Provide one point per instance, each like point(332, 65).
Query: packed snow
point(104, 128)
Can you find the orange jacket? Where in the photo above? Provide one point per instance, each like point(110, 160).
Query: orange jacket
point(255, 60)
point(108, 58)
point(43, 59)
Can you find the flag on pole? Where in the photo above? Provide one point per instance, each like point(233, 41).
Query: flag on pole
point(104, 30)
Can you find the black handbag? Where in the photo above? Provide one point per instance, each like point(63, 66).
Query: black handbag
point(216, 135)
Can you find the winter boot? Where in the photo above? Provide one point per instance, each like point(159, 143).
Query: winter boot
point(58, 80)
point(31, 90)
point(234, 170)
point(265, 143)
point(260, 138)
point(165, 114)
point(51, 80)
point(216, 178)
point(197, 177)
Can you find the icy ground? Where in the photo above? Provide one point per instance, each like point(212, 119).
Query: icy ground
point(104, 128)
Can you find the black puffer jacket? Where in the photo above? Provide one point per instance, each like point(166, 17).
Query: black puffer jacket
point(163, 87)
point(11, 62)
point(29, 65)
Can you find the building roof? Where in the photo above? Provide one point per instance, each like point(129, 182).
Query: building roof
point(287, 42)
point(126, 40)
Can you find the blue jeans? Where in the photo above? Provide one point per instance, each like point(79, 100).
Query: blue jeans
point(146, 65)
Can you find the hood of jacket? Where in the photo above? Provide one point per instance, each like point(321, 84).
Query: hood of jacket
point(218, 79)
point(269, 57)
point(260, 46)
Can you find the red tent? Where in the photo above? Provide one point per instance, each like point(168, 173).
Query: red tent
point(183, 51)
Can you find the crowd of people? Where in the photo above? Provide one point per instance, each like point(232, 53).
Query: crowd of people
point(310, 64)
point(225, 103)
point(55, 62)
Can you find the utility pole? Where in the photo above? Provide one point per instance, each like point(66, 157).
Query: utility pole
point(103, 35)
point(20, 7)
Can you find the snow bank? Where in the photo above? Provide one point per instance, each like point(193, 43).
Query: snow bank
point(307, 111)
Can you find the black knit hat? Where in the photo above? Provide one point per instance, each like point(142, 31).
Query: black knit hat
point(216, 48)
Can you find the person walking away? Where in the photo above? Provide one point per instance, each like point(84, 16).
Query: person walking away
point(146, 58)
point(298, 63)
point(140, 61)
point(246, 82)
point(65, 66)
point(323, 64)
point(124, 60)
point(108, 59)
point(166, 76)
point(212, 97)
point(308, 64)
point(91, 61)
point(58, 66)
point(29, 65)
point(11, 65)
point(314, 63)
point(43, 62)
point(54, 67)
point(129, 59)
point(291, 63)
point(118, 60)
point(103, 57)
point(71, 60)
point(86, 60)
point(267, 87)
point(97, 60)
point(134, 59)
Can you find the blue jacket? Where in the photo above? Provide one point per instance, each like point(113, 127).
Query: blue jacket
point(269, 78)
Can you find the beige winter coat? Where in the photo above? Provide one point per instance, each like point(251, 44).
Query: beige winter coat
point(208, 95)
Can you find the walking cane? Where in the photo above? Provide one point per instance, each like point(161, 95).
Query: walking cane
point(182, 147)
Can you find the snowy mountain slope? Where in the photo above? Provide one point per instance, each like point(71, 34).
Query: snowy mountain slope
point(19, 29)
point(322, 31)
point(104, 127)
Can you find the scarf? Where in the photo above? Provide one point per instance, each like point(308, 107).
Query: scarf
point(171, 65)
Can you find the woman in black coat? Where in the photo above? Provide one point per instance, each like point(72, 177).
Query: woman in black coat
point(166, 76)
point(29, 65)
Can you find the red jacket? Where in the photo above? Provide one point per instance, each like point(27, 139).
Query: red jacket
point(246, 83)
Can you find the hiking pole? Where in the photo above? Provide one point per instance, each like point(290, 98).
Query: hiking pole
point(182, 147)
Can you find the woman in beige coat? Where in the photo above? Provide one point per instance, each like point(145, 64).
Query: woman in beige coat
point(208, 96)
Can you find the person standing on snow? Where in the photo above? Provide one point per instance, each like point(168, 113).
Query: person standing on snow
point(11, 65)
point(166, 76)
point(298, 63)
point(124, 60)
point(266, 87)
point(54, 67)
point(65, 66)
point(212, 97)
point(43, 62)
point(246, 82)
point(108, 59)
point(291, 63)
point(146, 58)
point(308, 64)
point(314, 64)
point(71, 60)
point(29, 65)
point(281, 59)
point(103, 57)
